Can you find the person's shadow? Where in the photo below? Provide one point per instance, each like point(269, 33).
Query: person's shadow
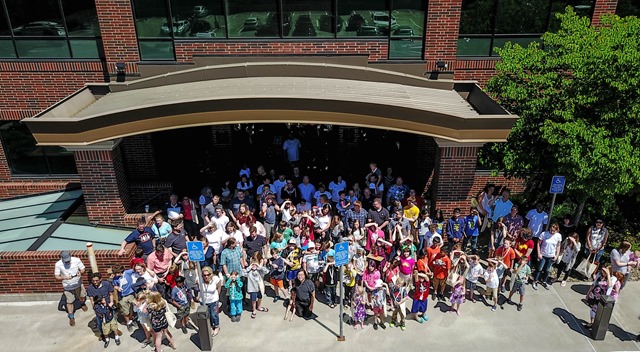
point(570, 320)
point(621, 334)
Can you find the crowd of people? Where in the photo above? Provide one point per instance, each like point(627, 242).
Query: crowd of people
point(280, 233)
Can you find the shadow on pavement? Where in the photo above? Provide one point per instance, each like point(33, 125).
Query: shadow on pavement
point(580, 288)
point(621, 334)
point(196, 340)
point(443, 307)
point(321, 324)
point(569, 319)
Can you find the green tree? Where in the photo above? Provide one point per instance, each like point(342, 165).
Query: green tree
point(578, 98)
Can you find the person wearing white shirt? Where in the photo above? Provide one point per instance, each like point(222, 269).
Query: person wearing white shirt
point(473, 274)
point(211, 286)
point(69, 270)
point(548, 251)
point(537, 219)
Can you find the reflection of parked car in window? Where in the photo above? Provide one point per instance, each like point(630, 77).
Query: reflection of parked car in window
point(202, 29)
point(270, 27)
point(355, 22)
point(251, 24)
point(180, 27)
point(368, 31)
point(286, 23)
point(200, 10)
point(304, 27)
point(40, 28)
point(381, 20)
point(325, 23)
point(405, 32)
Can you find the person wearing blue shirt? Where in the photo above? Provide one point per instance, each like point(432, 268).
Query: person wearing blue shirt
point(472, 223)
point(502, 206)
point(143, 237)
point(128, 279)
point(161, 228)
point(306, 190)
point(455, 229)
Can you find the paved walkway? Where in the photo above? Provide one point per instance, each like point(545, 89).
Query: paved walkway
point(550, 321)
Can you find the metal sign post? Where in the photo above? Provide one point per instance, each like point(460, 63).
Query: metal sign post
point(557, 187)
point(342, 258)
point(196, 254)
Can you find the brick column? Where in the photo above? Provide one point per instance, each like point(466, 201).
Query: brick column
point(602, 7)
point(441, 42)
point(103, 181)
point(454, 174)
point(5, 173)
point(138, 155)
point(118, 34)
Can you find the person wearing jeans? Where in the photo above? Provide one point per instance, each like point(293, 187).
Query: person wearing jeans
point(212, 285)
point(473, 222)
point(548, 251)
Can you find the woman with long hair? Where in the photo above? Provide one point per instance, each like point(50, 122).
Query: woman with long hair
point(157, 309)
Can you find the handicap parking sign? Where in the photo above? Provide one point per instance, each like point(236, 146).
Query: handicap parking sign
point(196, 251)
point(557, 185)
point(342, 253)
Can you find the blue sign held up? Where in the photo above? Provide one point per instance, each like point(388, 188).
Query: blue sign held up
point(557, 185)
point(342, 253)
point(196, 251)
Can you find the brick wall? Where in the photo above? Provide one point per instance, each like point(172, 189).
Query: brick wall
point(154, 193)
point(376, 50)
point(455, 176)
point(602, 7)
point(118, 33)
point(476, 70)
point(29, 272)
point(139, 157)
point(441, 38)
point(103, 184)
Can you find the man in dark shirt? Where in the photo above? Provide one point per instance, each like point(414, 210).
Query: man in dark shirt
point(177, 239)
point(379, 215)
point(143, 237)
point(99, 287)
point(305, 295)
point(253, 244)
point(241, 198)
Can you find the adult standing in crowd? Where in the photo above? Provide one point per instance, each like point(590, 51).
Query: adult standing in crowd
point(70, 270)
point(379, 215)
point(307, 190)
point(143, 237)
point(177, 240)
point(537, 218)
point(291, 147)
point(485, 204)
point(305, 295)
point(548, 251)
point(211, 296)
point(397, 191)
point(621, 261)
point(100, 288)
point(159, 262)
point(513, 222)
point(160, 228)
point(501, 206)
point(597, 237)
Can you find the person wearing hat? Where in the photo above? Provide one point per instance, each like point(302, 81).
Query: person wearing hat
point(292, 255)
point(70, 270)
point(311, 263)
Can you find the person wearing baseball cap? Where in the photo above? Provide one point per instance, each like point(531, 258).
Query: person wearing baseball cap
point(70, 270)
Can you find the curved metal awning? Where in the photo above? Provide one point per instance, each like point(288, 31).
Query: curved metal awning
point(103, 112)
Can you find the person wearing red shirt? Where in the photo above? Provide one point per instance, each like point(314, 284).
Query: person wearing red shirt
point(524, 245)
point(440, 266)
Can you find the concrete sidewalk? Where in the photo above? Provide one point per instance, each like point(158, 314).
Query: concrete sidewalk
point(550, 321)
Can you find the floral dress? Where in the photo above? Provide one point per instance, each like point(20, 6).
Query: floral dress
point(457, 295)
point(359, 310)
point(158, 319)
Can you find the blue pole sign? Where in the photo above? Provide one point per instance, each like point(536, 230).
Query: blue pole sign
point(557, 185)
point(342, 253)
point(196, 251)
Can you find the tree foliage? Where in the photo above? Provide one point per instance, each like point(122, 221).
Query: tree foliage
point(578, 98)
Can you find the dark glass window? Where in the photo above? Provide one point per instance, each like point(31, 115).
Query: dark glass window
point(257, 18)
point(44, 28)
point(628, 8)
point(357, 17)
point(25, 158)
point(309, 18)
point(156, 29)
point(407, 29)
point(488, 24)
point(205, 18)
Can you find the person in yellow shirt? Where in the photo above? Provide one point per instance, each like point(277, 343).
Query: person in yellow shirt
point(411, 212)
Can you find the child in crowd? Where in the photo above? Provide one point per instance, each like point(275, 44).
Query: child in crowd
point(407, 262)
point(440, 266)
point(137, 258)
point(359, 307)
point(172, 275)
point(457, 296)
point(359, 263)
point(180, 300)
point(379, 302)
point(234, 288)
point(117, 270)
point(331, 277)
point(492, 281)
point(276, 276)
point(521, 272)
point(106, 313)
point(420, 296)
point(255, 285)
point(349, 282)
point(291, 307)
point(570, 250)
point(140, 308)
point(399, 296)
point(473, 274)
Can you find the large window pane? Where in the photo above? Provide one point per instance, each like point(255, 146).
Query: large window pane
point(474, 46)
point(517, 16)
point(628, 8)
point(85, 48)
point(357, 17)
point(6, 49)
point(151, 19)
point(477, 16)
point(308, 16)
point(36, 18)
point(25, 158)
point(206, 18)
point(156, 50)
point(81, 18)
point(407, 24)
point(43, 48)
point(4, 28)
point(523, 42)
point(581, 7)
point(254, 18)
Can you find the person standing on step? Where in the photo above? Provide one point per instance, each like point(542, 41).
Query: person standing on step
point(70, 270)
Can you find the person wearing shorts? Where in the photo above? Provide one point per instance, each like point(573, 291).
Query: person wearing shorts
point(276, 275)
point(521, 272)
point(70, 270)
